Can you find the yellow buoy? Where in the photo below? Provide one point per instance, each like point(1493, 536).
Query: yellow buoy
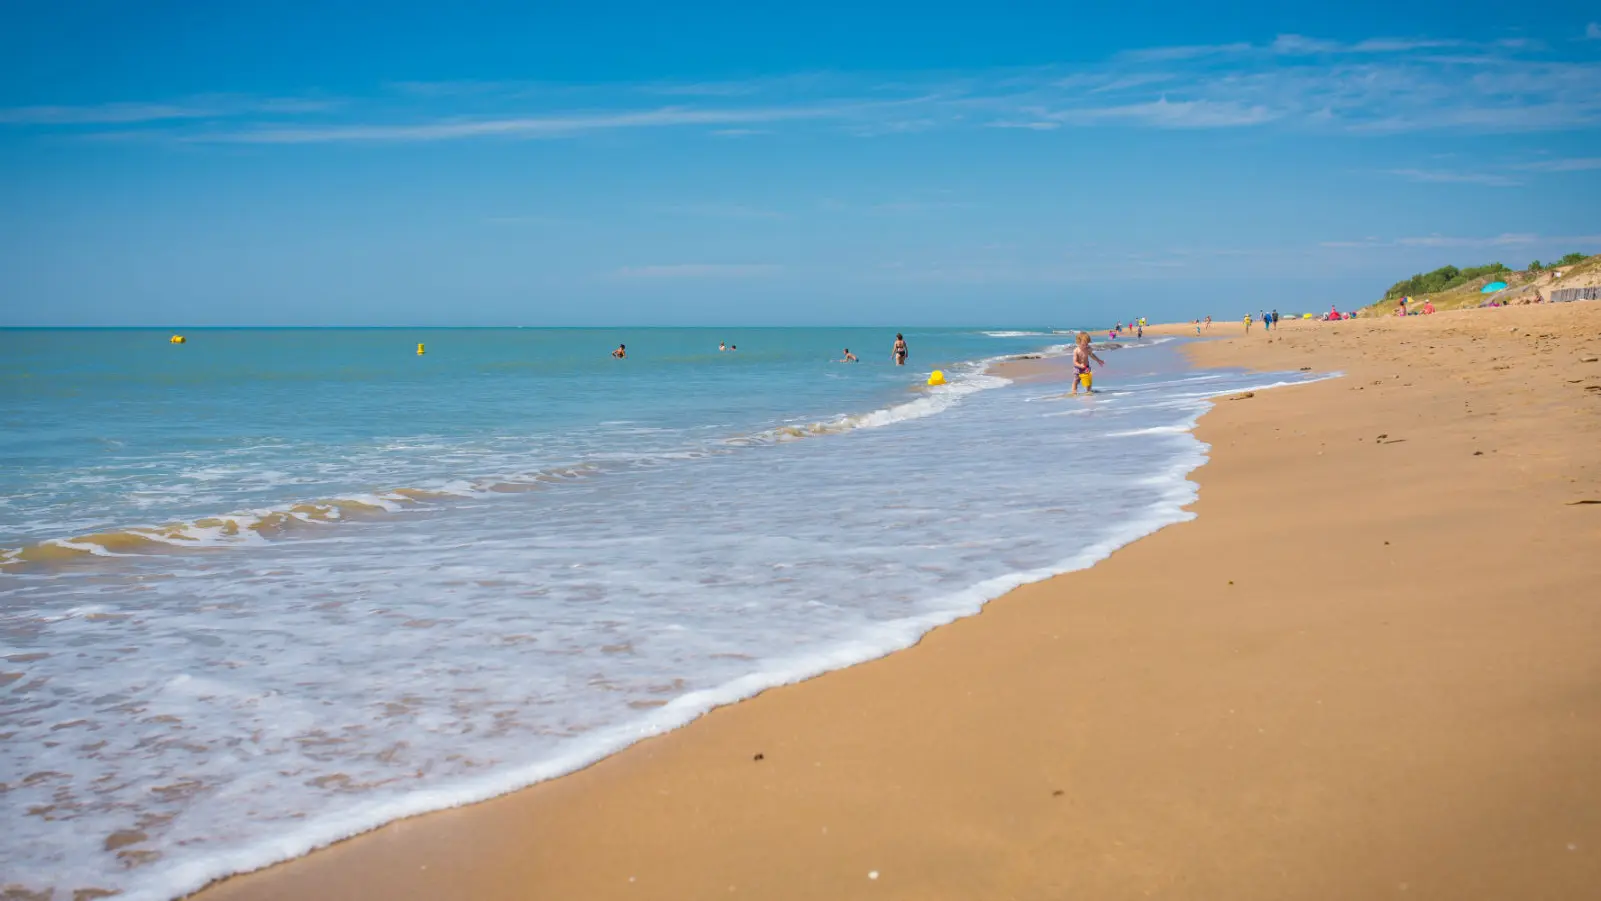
point(176, 339)
point(937, 377)
point(419, 350)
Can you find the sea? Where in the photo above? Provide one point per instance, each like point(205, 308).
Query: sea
point(267, 589)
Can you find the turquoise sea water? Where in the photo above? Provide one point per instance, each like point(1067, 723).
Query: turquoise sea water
point(270, 588)
point(105, 429)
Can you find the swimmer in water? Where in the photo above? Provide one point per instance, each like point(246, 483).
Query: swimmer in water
point(900, 350)
point(621, 351)
point(849, 357)
point(721, 346)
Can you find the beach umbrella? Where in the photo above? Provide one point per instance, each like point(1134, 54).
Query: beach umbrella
point(1492, 287)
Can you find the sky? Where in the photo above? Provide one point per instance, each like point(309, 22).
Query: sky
point(897, 164)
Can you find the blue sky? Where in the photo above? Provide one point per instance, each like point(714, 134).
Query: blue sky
point(740, 163)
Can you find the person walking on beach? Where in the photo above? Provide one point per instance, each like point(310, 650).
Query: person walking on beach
point(900, 349)
point(1275, 318)
point(1082, 355)
point(621, 351)
point(1208, 322)
point(1247, 323)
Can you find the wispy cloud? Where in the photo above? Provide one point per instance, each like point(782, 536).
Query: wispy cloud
point(1299, 44)
point(721, 211)
point(527, 220)
point(1037, 125)
point(1163, 113)
point(1501, 240)
point(1190, 51)
point(705, 89)
point(1442, 176)
point(896, 207)
point(101, 114)
point(1577, 164)
point(1401, 45)
point(1293, 45)
point(1361, 242)
point(700, 270)
point(523, 126)
point(1508, 239)
point(1378, 85)
point(1127, 82)
point(136, 113)
point(919, 206)
point(1593, 31)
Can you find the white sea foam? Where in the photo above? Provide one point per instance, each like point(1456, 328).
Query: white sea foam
point(243, 708)
point(1152, 430)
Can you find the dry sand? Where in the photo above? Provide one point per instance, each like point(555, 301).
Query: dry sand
point(1371, 668)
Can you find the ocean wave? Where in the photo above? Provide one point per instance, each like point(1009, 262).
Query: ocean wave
point(874, 641)
point(970, 379)
point(262, 525)
point(259, 526)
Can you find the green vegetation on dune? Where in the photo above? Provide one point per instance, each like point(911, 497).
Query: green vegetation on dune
point(1447, 277)
point(1442, 279)
point(1450, 288)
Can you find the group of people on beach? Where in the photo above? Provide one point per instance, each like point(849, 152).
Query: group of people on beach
point(899, 352)
point(1137, 326)
point(1082, 354)
point(1269, 320)
point(1402, 308)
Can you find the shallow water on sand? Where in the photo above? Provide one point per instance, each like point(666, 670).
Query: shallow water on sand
point(268, 590)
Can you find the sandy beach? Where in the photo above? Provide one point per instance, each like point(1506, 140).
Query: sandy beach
point(1368, 668)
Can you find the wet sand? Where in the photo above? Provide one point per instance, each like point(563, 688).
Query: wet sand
point(1370, 668)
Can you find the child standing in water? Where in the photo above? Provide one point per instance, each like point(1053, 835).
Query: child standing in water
point(1082, 355)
